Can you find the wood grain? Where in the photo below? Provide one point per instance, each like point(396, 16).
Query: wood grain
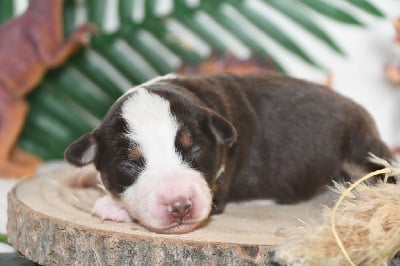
point(50, 223)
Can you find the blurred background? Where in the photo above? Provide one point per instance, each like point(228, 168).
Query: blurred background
point(346, 44)
point(346, 41)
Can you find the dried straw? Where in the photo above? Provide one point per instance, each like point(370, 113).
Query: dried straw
point(363, 228)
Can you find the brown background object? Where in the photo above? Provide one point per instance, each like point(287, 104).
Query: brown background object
point(50, 223)
point(30, 45)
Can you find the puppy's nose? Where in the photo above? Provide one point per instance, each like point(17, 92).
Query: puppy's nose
point(179, 208)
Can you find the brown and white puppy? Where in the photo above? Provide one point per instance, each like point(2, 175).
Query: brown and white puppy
point(174, 150)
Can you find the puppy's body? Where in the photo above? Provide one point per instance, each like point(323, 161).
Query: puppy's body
point(294, 136)
point(182, 146)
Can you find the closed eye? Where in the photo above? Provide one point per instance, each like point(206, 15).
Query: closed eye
point(132, 166)
point(196, 149)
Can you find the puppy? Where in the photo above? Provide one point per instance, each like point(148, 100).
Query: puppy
point(174, 150)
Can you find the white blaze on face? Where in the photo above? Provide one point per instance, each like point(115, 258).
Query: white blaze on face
point(166, 178)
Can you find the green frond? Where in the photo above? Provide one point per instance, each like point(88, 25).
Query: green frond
point(327, 9)
point(73, 99)
point(368, 7)
point(298, 14)
point(6, 10)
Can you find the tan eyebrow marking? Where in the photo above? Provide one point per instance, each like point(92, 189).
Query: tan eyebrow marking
point(136, 154)
point(185, 139)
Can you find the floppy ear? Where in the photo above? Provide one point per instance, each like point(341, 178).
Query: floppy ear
point(82, 151)
point(223, 130)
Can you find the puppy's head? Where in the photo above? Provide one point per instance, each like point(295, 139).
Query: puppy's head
point(159, 151)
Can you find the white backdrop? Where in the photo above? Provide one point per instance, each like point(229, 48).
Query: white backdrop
point(359, 75)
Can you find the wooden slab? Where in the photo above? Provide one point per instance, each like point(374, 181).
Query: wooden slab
point(50, 223)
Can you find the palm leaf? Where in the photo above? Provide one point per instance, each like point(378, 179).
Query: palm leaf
point(238, 30)
point(72, 99)
point(6, 10)
point(273, 30)
point(296, 12)
point(368, 7)
point(3, 238)
point(333, 12)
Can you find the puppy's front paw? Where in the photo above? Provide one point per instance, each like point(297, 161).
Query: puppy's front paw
point(106, 208)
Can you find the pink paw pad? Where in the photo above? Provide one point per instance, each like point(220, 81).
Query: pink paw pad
point(106, 208)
